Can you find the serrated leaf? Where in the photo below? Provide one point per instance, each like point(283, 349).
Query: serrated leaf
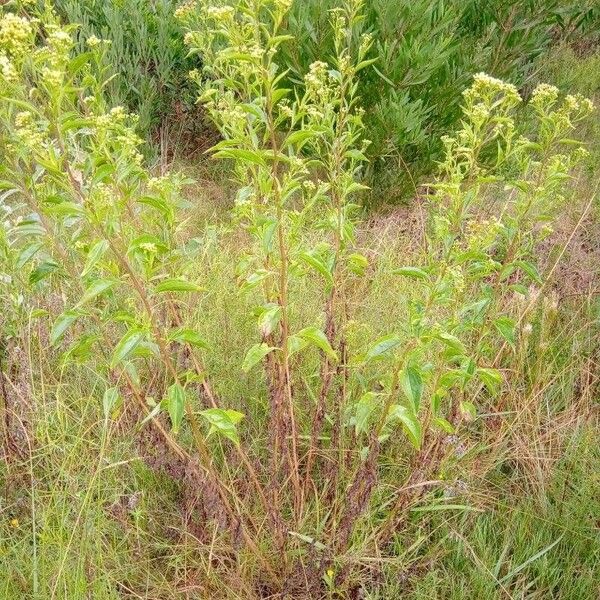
point(506, 327)
point(97, 288)
point(43, 270)
point(27, 254)
point(95, 253)
point(177, 285)
point(318, 265)
point(364, 409)
point(382, 346)
point(255, 355)
point(409, 421)
point(412, 272)
point(176, 406)
point(109, 401)
point(127, 344)
point(491, 378)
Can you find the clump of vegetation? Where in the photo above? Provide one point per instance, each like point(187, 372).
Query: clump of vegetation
point(426, 53)
point(298, 465)
point(146, 63)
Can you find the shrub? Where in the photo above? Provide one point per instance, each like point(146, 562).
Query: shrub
point(426, 52)
point(94, 249)
point(146, 57)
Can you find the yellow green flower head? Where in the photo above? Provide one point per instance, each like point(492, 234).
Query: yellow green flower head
point(94, 41)
point(60, 41)
point(184, 10)
point(544, 95)
point(16, 34)
point(7, 69)
point(488, 88)
point(221, 13)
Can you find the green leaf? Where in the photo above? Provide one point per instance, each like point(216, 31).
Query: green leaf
point(364, 409)
point(436, 507)
point(223, 422)
point(62, 323)
point(382, 346)
point(177, 285)
point(296, 344)
point(43, 270)
point(268, 318)
point(365, 63)
point(127, 344)
point(468, 410)
point(355, 154)
point(176, 406)
point(412, 272)
point(411, 382)
point(242, 155)
point(506, 327)
point(315, 337)
point(27, 254)
point(151, 414)
point(94, 255)
point(97, 288)
point(357, 263)
point(188, 336)
point(444, 425)
point(109, 401)
point(318, 265)
point(409, 421)
point(255, 355)
point(530, 269)
point(298, 137)
point(452, 342)
point(491, 378)
point(309, 540)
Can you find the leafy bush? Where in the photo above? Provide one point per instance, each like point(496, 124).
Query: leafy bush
point(146, 56)
point(426, 52)
point(96, 252)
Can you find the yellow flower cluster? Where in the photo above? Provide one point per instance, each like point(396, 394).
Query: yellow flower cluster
point(16, 34)
point(7, 69)
point(184, 10)
point(221, 14)
point(60, 41)
point(487, 88)
point(544, 95)
point(94, 41)
point(29, 132)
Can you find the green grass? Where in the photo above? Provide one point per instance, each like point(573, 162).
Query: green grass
point(545, 546)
